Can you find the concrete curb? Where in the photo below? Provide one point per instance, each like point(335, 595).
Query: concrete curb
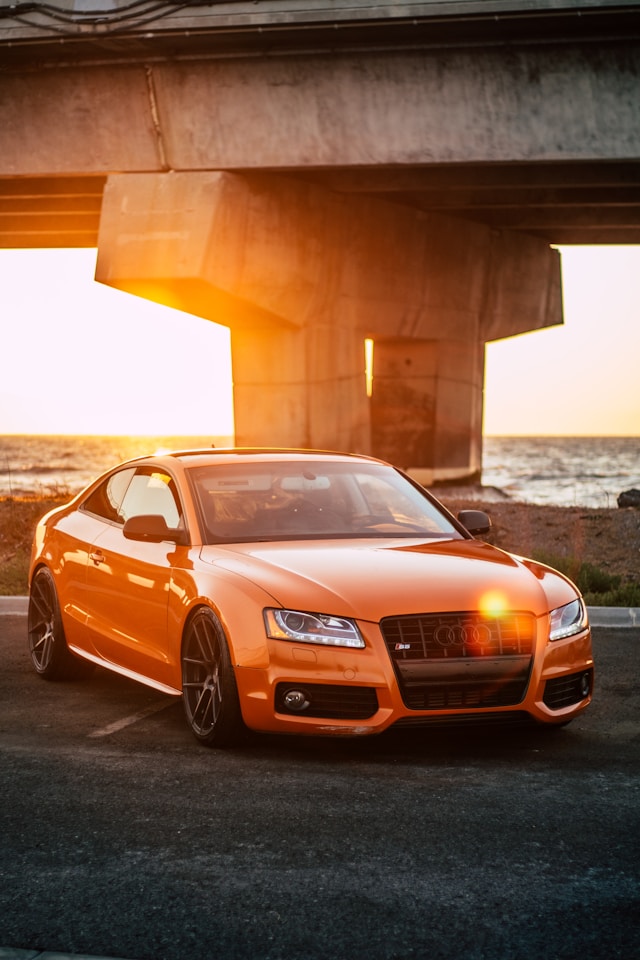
point(13, 607)
point(614, 617)
point(619, 617)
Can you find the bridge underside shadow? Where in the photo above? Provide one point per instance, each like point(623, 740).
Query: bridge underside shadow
point(303, 276)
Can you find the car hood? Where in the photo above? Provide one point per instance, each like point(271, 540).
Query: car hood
point(372, 579)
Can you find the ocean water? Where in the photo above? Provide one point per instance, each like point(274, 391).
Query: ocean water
point(43, 464)
point(561, 471)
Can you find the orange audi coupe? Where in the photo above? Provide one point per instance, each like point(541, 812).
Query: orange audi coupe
point(301, 592)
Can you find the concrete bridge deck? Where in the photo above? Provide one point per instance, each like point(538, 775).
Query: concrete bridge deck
point(519, 115)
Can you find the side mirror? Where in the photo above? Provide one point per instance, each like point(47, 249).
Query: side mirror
point(152, 528)
point(477, 522)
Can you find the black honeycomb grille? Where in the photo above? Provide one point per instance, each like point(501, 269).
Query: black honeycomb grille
point(446, 636)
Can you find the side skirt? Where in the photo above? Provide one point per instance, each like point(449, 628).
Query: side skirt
point(124, 672)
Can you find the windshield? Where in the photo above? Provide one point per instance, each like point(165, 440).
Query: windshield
point(300, 500)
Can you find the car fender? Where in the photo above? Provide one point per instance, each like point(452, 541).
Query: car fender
point(558, 589)
point(236, 601)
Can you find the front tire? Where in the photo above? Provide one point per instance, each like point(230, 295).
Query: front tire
point(209, 691)
point(50, 655)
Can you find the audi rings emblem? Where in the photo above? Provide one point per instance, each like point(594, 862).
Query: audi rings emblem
point(474, 634)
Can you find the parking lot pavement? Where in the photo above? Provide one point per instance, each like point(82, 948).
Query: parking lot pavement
point(14, 953)
point(129, 840)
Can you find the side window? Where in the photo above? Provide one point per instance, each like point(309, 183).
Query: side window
point(105, 500)
point(154, 493)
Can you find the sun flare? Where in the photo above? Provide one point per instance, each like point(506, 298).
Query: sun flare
point(493, 603)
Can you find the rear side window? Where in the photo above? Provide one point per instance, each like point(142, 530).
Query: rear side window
point(105, 500)
point(152, 493)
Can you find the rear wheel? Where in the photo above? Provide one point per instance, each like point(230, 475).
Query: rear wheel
point(209, 690)
point(50, 655)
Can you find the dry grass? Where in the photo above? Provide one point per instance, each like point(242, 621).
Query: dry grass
point(567, 537)
point(18, 519)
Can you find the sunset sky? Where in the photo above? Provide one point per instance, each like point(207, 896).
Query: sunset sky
point(82, 358)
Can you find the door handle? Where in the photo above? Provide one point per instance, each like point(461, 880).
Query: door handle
point(97, 557)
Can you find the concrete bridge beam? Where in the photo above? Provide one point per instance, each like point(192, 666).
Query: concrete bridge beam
point(302, 276)
point(546, 103)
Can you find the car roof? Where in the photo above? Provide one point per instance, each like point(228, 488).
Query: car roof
point(209, 455)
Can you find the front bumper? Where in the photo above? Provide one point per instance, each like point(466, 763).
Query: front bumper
point(336, 691)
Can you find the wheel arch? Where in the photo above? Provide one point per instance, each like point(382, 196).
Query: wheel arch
point(209, 678)
point(238, 608)
point(204, 603)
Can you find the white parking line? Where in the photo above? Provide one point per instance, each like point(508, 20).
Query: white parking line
point(118, 725)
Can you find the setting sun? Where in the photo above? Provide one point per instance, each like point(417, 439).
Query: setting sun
point(89, 359)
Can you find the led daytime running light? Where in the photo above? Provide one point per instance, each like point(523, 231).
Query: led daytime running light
point(568, 620)
point(318, 628)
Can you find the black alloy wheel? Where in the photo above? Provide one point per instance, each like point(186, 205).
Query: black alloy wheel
point(50, 655)
point(209, 690)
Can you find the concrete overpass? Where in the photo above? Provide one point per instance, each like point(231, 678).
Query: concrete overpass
point(314, 174)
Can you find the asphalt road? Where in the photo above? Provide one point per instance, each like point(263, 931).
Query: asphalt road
point(120, 836)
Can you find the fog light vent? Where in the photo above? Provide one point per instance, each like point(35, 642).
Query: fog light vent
point(328, 700)
point(566, 691)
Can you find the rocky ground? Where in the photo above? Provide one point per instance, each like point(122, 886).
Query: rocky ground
point(607, 538)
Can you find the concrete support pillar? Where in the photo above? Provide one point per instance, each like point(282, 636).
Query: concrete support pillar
point(302, 388)
point(426, 406)
point(302, 275)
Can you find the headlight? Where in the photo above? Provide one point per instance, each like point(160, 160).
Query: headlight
point(567, 620)
point(312, 628)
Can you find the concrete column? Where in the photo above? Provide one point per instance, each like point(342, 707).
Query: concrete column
point(426, 406)
point(302, 388)
point(302, 275)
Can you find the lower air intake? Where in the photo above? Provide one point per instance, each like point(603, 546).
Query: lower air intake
point(566, 691)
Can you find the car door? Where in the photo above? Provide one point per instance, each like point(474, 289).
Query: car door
point(75, 534)
point(128, 582)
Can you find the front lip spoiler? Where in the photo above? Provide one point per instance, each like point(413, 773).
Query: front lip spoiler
point(490, 718)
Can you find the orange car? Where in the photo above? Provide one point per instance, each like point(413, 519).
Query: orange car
point(301, 592)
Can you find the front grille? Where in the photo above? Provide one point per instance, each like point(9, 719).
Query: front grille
point(565, 691)
point(445, 636)
point(461, 661)
point(330, 701)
